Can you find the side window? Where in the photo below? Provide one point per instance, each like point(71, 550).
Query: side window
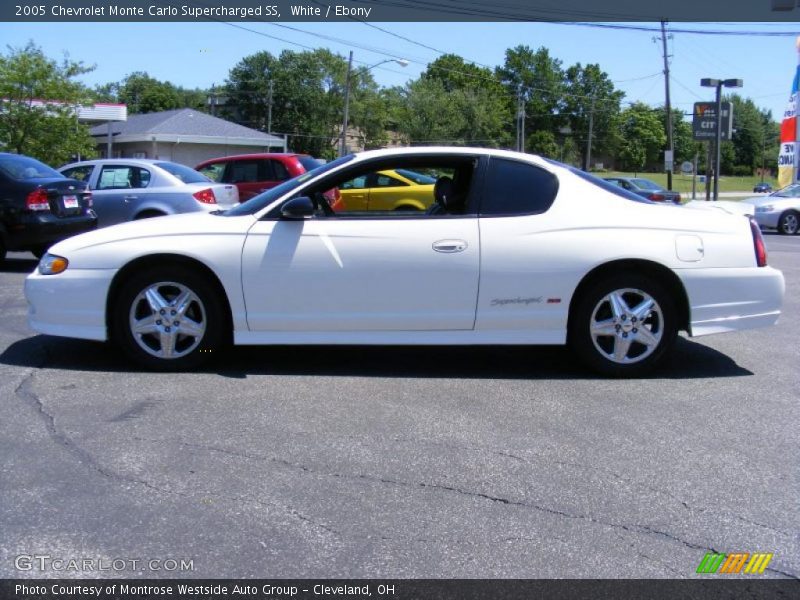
point(359, 183)
point(123, 178)
point(214, 171)
point(382, 180)
point(243, 171)
point(281, 173)
point(517, 188)
point(82, 173)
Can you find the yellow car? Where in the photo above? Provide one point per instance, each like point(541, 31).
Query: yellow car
point(398, 189)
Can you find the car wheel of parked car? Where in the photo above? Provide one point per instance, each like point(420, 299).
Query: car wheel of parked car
point(39, 251)
point(623, 326)
point(169, 318)
point(148, 214)
point(2, 250)
point(789, 223)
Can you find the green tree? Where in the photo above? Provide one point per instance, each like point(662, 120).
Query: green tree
point(590, 98)
point(539, 79)
point(39, 98)
point(641, 130)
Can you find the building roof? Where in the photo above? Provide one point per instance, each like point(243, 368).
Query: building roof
point(186, 123)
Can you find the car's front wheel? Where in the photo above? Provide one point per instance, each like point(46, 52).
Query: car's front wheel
point(789, 223)
point(169, 318)
point(623, 326)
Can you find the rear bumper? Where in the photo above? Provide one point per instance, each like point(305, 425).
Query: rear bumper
point(757, 294)
point(32, 230)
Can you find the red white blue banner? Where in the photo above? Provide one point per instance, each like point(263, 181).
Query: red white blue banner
point(790, 144)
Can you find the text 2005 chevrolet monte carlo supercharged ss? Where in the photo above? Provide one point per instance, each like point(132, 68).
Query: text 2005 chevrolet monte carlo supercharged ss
point(514, 250)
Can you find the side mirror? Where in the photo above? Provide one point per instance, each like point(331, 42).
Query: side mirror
point(298, 208)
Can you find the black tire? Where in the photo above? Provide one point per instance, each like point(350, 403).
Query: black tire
point(789, 223)
point(204, 308)
point(2, 251)
point(39, 251)
point(628, 349)
point(148, 214)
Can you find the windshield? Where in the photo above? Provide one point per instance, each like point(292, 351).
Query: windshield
point(645, 184)
point(790, 191)
point(418, 178)
point(261, 201)
point(608, 186)
point(24, 167)
point(185, 174)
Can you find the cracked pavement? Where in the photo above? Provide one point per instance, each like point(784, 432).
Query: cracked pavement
point(401, 462)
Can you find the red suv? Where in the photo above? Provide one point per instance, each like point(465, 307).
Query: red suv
point(256, 173)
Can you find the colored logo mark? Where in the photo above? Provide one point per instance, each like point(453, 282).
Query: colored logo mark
point(738, 562)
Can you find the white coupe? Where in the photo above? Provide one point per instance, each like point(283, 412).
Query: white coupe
point(516, 250)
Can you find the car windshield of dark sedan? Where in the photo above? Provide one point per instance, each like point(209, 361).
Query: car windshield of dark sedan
point(256, 203)
point(608, 186)
point(23, 167)
point(185, 174)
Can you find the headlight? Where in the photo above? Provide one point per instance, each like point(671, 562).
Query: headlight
point(764, 208)
point(52, 264)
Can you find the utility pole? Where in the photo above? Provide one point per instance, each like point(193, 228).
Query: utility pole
point(213, 100)
point(343, 141)
point(589, 138)
point(520, 121)
point(668, 105)
point(269, 108)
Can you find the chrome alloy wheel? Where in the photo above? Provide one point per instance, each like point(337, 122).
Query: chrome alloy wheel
point(167, 320)
point(789, 223)
point(626, 326)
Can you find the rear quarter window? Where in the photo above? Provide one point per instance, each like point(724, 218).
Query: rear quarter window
point(517, 188)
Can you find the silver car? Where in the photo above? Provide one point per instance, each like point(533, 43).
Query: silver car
point(128, 189)
point(779, 210)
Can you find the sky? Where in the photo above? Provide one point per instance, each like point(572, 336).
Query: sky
point(201, 54)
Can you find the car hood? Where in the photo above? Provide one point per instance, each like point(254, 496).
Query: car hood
point(144, 229)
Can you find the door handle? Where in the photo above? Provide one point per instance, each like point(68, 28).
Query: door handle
point(450, 246)
point(129, 198)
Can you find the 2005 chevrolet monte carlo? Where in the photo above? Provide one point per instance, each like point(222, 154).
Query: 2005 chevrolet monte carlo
point(516, 249)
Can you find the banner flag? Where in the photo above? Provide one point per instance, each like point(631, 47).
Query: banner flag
point(789, 152)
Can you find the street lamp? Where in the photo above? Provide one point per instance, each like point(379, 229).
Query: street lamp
point(718, 84)
point(343, 140)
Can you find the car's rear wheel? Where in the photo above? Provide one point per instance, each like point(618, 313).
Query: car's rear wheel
point(789, 223)
point(148, 214)
point(39, 251)
point(2, 250)
point(623, 326)
point(169, 319)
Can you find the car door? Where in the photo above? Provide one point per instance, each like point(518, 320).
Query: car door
point(252, 176)
point(117, 192)
point(387, 271)
point(385, 191)
point(354, 193)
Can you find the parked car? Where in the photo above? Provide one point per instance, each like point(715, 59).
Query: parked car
point(520, 250)
point(779, 210)
point(762, 188)
point(128, 189)
point(400, 189)
point(39, 206)
point(256, 173)
point(646, 188)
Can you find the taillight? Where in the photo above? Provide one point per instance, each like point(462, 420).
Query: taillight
point(657, 197)
point(37, 200)
point(87, 195)
point(758, 244)
point(205, 196)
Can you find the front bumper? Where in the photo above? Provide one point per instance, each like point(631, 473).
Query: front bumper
point(70, 304)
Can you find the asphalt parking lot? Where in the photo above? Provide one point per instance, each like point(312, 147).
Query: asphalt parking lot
point(399, 462)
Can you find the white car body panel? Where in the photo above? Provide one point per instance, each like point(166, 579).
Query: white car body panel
point(379, 281)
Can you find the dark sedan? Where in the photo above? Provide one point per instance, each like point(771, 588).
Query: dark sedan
point(39, 206)
point(646, 188)
point(762, 188)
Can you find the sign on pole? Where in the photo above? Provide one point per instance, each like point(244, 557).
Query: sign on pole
point(788, 154)
point(704, 121)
